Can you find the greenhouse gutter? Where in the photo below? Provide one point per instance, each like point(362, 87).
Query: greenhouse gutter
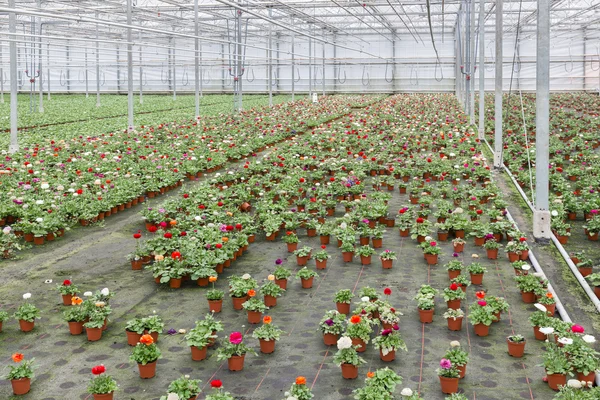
point(586, 287)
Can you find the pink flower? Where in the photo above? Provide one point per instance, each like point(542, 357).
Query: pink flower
point(433, 243)
point(235, 338)
point(445, 363)
point(577, 329)
point(482, 303)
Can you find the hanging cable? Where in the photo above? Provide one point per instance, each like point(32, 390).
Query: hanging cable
point(250, 69)
point(297, 74)
point(145, 81)
point(103, 78)
point(162, 73)
point(185, 79)
point(340, 75)
point(438, 66)
point(204, 80)
point(570, 62)
point(592, 60)
point(387, 65)
point(62, 78)
point(365, 72)
point(414, 72)
point(490, 63)
point(79, 73)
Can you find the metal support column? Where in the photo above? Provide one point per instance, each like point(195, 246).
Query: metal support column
point(68, 73)
point(197, 78)
point(293, 62)
point(481, 69)
point(174, 69)
point(87, 87)
point(240, 62)
point(472, 70)
point(129, 69)
point(223, 65)
point(1, 77)
point(12, 46)
point(39, 73)
point(309, 61)
point(394, 88)
point(541, 213)
point(468, 66)
point(48, 76)
point(97, 66)
point(498, 88)
point(336, 66)
point(118, 70)
point(270, 60)
point(323, 63)
point(277, 58)
point(141, 69)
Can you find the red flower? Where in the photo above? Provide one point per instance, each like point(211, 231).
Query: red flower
point(152, 228)
point(522, 239)
point(175, 255)
point(137, 235)
point(577, 329)
point(323, 246)
point(185, 196)
point(220, 204)
point(229, 228)
point(479, 212)
point(79, 191)
point(66, 282)
point(168, 235)
point(218, 245)
point(302, 180)
point(216, 383)
point(98, 369)
point(419, 220)
point(184, 233)
point(238, 227)
point(454, 286)
point(387, 291)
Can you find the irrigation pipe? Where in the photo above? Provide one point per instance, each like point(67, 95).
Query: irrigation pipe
point(561, 249)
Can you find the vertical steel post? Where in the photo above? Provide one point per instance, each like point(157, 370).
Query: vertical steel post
point(197, 77)
point(12, 28)
point(97, 67)
point(141, 69)
point(118, 70)
point(48, 58)
point(481, 69)
point(223, 65)
point(40, 72)
point(472, 70)
point(293, 61)
point(240, 60)
point(467, 69)
point(541, 213)
point(129, 69)
point(1, 77)
point(336, 65)
point(498, 88)
point(87, 88)
point(173, 44)
point(68, 73)
point(277, 58)
point(309, 62)
point(323, 63)
point(270, 60)
point(393, 61)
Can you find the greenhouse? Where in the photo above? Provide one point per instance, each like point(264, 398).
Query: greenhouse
point(299, 199)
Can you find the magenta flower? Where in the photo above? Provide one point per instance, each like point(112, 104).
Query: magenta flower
point(482, 303)
point(235, 338)
point(445, 363)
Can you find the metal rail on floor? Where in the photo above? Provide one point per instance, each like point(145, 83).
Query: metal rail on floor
point(586, 287)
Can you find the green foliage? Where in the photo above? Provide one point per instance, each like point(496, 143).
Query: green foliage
point(255, 304)
point(332, 322)
point(27, 312)
point(23, 370)
point(306, 273)
point(267, 332)
point(184, 387)
point(343, 296)
point(102, 384)
point(270, 288)
point(145, 354)
point(481, 315)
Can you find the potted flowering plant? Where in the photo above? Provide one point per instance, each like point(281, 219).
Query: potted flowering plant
point(594, 280)
point(306, 276)
point(3, 317)
point(528, 285)
point(476, 270)
point(454, 268)
point(491, 246)
point(321, 257)
point(449, 376)
point(255, 307)
point(347, 358)
point(347, 249)
point(454, 318)
point(516, 345)
point(365, 253)
point(458, 357)
point(20, 375)
point(369, 292)
point(145, 354)
point(584, 360)
point(332, 325)
point(218, 392)
point(592, 227)
point(302, 255)
point(214, 296)
point(299, 390)
point(26, 314)
point(458, 244)
point(281, 275)
point(557, 366)
point(497, 304)
point(239, 287)
point(102, 387)
point(271, 291)
point(234, 352)
point(343, 298)
point(198, 339)
point(389, 317)
point(387, 343)
point(267, 335)
point(453, 295)
point(481, 317)
point(387, 258)
point(461, 281)
point(426, 303)
point(291, 239)
point(379, 385)
point(359, 330)
point(67, 290)
point(75, 316)
point(521, 267)
point(431, 251)
point(184, 387)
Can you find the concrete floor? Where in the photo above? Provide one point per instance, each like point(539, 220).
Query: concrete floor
point(94, 257)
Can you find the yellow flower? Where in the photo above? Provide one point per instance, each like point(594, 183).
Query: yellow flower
point(271, 277)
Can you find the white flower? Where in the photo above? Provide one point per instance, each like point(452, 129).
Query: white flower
point(182, 331)
point(173, 396)
point(39, 202)
point(45, 186)
point(105, 292)
point(406, 392)
point(455, 343)
point(526, 267)
point(428, 238)
point(588, 339)
point(565, 340)
point(547, 330)
point(48, 281)
point(246, 276)
point(343, 225)
point(365, 298)
point(38, 220)
point(344, 343)
point(27, 296)
point(554, 213)
point(574, 383)
point(6, 230)
point(540, 307)
point(87, 294)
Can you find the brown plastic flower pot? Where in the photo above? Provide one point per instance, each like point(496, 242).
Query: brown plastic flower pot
point(21, 386)
point(516, 349)
point(236, 363)
point(330, 339)
point(147, 371)
point(349, 371)
point(267, 346)
point(198, 354)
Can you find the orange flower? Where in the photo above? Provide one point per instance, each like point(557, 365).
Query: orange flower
point(355, 319)
point(212, 279)
point(370, 374)
point(480, 294)
point(146, 339)
point(17, 357)
point(225, 239)
point(251, 293)
point(75, 301)
point(549, 295)
point(267, 320)
point(173, 222)
point(300, 380)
